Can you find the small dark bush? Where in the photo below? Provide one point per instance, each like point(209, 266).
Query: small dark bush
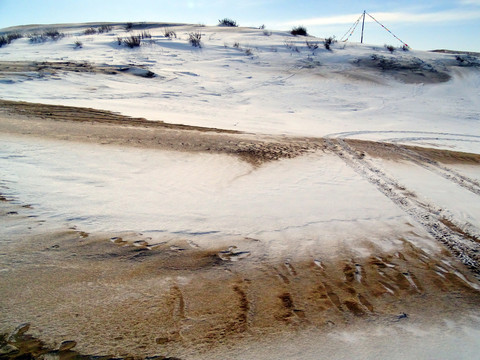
point(236, 45)
point(104, 29)
point(128, 26)
point(227, 22)
point(133, 41)
point(195, 39)
point(249, 52)
point(119, 40)
point(390, 48)
point(78, 44)
point(405, 47)
point(299, 30)
point(170, 34)
point(328, 42)
point(90, 31)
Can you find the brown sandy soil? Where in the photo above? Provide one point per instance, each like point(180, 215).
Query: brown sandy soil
point(68, 123)
point(113, 294)
point(34, 69)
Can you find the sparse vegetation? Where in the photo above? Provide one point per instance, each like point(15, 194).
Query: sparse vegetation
point(390, 48)
point(3, 40)
point(78, 44)
point(290, 45)
point(90, 31)
point(133, 41)
point(236, 45)
point(170, 34)
point(104, 29)
point(328, 42)
point(8, 38)
point(312, 45)
point(227, 22)
point(195, 38)
point(129, 26)
point(14, 36)
point(405, 47)
point(145, 35)
point(51, 34)
point(267, 33)
point(249, 52)
point(299, 30)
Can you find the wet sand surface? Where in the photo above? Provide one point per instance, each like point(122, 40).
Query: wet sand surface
point(115, 294)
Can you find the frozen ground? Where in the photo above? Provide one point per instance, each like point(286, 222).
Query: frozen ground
point(241, 258)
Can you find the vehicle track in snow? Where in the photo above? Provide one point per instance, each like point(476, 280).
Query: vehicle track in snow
point(441, 170)
point(450, 232)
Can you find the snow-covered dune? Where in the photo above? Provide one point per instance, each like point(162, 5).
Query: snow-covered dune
point(257, 80)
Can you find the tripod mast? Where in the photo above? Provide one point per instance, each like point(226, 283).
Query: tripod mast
point(363, 26)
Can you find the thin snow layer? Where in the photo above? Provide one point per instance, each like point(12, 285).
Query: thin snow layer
point(267, 82)
point(396, 341)
point(453, 200)
point(212, 199)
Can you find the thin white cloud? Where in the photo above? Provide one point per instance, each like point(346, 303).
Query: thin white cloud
point(393, 17)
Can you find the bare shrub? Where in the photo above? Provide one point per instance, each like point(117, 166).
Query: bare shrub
point(90, 31)
point(145, 35)
point(133, 41)
point(290, 45)
point(299, 30)
point(390, 48)
point(227, 22)
point(311, 45)
point(195, 38)
point(104, 29)
point(53, 34)
point(328, 42)
point(129, 26)
point(170, 34)
point(78, 44)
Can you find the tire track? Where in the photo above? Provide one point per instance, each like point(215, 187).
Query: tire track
point(461, 243)
point(443, 171)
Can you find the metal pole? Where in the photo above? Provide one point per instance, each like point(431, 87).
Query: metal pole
point(363, 26)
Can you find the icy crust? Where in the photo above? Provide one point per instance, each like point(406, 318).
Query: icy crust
point(257, 81)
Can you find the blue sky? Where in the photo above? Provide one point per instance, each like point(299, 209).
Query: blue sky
point(423, 25)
